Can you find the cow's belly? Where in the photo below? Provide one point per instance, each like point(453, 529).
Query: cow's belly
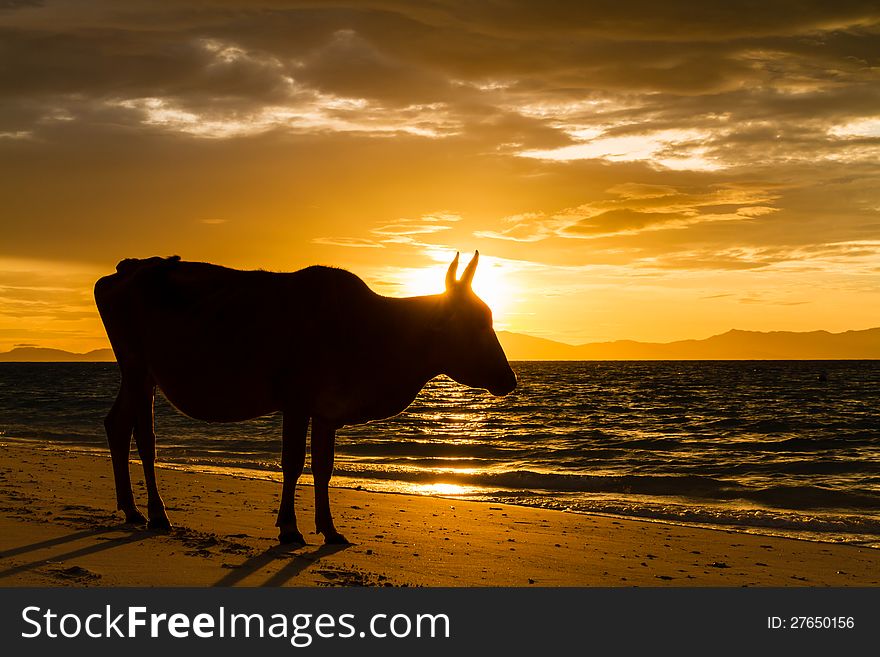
point(219, 395)
point(353, 404)
point(218, 375)
point(219, 403)
point(211, 406)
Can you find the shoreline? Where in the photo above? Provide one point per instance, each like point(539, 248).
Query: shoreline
point(374, 486)
point(59, 528)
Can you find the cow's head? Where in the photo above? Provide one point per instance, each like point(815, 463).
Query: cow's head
point(471, 353)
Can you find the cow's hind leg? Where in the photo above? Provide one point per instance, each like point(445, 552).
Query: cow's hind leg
point(323, 444)
point(145, 437)
point(293, 458)
point(119, 424)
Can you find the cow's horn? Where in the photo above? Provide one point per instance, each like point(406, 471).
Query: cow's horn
point(468, 276)
point(450, 273)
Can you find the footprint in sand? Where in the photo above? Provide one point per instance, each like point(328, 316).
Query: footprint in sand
point(76, 574)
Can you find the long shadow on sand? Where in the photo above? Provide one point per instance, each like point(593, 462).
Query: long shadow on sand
point(295, 565)
point(133, 536)
point(51, 542)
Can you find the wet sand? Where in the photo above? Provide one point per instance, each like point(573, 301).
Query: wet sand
point(58, 528)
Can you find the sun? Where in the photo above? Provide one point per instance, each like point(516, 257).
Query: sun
point(490, 282)
point(492, 286)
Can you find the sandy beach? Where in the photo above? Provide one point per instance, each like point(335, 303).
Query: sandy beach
point(58, 528)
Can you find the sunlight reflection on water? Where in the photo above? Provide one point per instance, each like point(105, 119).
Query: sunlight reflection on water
point(754, 443)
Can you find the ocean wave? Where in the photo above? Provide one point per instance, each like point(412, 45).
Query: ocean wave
point(687, 486)
point(848, 527)
point(749, 437)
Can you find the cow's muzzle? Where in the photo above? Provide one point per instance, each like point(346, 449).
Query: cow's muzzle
point(506, 386)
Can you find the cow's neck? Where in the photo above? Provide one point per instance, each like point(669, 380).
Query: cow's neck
point(400, 361)
point(412, 329)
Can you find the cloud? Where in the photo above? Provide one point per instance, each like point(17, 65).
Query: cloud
point(425, 225)
point(625, 220)
point(680, 88)
point(408, 229)
point(637, 207)
point(527, 227)
point(403, 233)
point(440, 217)
point(348, 242)
point(349, 65)
point(672, 149)
point(50, 302)
point(12, 5)
point(259, 57)
point(731, 261)
point(772, 302)
point(649, 139)
point(854, 258)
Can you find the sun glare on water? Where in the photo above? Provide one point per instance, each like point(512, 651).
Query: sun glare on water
point(442, 489)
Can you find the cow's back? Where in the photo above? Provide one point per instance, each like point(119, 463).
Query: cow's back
point(225, 344)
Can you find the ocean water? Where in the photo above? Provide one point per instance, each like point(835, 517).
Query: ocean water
point(761, 446)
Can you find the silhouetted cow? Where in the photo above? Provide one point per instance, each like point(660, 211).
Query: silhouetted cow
point(226, 345)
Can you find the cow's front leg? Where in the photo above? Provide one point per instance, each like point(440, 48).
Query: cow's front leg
point(293, 457)
point(323, 443)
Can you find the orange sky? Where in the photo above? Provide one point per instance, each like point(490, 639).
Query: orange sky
point(643, 170)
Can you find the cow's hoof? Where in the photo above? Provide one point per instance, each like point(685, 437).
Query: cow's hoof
point(159, 523)
point(135, 518)
point(336, 539)
point(286, 538)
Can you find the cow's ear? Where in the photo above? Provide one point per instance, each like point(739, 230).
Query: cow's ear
point(468, 276)
point(450, 274)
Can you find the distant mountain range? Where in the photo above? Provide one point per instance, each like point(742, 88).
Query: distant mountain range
point(733, 345)
point(45, 355)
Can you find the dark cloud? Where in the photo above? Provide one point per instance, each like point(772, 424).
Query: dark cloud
point(10, 5)
point(351, 66)
point(633, 208)
point(398, 50)
point(677, 19)
point(235, 109)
